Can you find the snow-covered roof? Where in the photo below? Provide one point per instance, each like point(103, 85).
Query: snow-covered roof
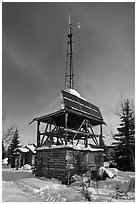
point(72, 100)
point(58, 103)
point(31, 148)
point(75, 147)
point(21, 149)
point(75, 93)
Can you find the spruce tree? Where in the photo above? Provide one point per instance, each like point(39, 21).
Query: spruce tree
point(14, 144)
point(124, 150)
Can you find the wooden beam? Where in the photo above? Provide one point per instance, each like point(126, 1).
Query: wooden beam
point(50, 131)
point(78, 130)
point(66, 126)
point(46, 140)
point(100, 138)
point(95, 141)
point(81, 133)
point(61, 140)
point(38, 134)
point(77, 142)
point(86, 130)
point(94, 138)
point(54, 123)
point(44, 134)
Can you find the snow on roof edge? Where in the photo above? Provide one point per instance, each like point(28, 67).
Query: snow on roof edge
point(71, 146)
point(31, 148)
point(22, 149)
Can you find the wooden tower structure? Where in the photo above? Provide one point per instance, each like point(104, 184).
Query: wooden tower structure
point(68, 129)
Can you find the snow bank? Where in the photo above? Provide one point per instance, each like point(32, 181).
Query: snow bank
point(102, 170)
point(113, 171)
point(26, 167)
point(5, 161)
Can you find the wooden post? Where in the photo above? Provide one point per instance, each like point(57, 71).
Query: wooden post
point(38, 134)
point(100, 138)
point(23, 161)
point(86, 138)
point(51, 135)
point(68, 176)
point(66, 126)
point(86, 141)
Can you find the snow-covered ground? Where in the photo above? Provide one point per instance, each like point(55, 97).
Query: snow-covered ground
point(22, 186)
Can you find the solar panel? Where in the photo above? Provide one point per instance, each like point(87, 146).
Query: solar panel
point(76, 103)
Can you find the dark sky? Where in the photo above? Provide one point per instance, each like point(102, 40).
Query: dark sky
point(34, 41)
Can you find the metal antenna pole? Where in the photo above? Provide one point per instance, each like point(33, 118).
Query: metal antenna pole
point(71, 53)
point(69, 75)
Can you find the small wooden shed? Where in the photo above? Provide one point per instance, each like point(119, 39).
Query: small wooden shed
point(24, 155)
point(20, 156)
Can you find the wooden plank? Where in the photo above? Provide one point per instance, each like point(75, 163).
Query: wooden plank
point(60, 160)
point(72, 104)
point(66, 125)
point(81, 133)
point(78, 103)
point(57, 166)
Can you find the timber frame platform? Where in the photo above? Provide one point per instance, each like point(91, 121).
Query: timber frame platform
point(74, 121)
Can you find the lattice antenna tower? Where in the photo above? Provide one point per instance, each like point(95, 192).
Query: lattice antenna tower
point(69, 74)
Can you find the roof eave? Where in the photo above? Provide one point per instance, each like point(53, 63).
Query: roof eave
point(49, 115)
point(57, 113)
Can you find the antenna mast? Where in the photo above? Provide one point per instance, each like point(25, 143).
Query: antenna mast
point(69, 75)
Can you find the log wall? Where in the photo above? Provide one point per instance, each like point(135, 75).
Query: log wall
point(62, 163)
point(51, 163)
